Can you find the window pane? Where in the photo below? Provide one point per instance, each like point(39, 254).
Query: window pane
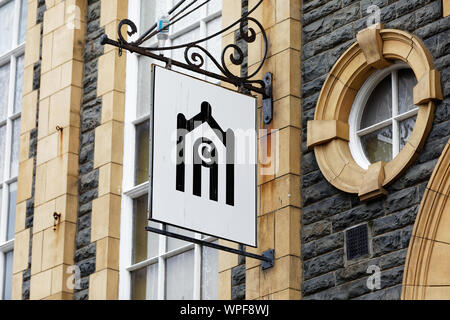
point(7, 286)
point(178, 54)
point(173, 243)
point(214, 45)
point(406, 82)
point(214, 6)
point(142, 152)
point(378, 145)
point(379, 104)
point(140, 234)
point(140, 279)
point(144, 87)
point(11, 211)
point(19, 84)
point(2, 150)
point(180, 277)
point(189, 19)
point(406, 128)
point(6, 25)
point(210, 259)
point(4, 87)
point(23, 21)
point(15, 148)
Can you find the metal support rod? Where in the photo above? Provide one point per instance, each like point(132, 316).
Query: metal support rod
point(265, 258)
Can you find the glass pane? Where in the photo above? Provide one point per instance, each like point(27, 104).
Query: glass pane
point(4, 88)
point(379, 105)
point(15, 148)
point(214, 45)
point(144, 87)
point(210, 260)
point(178, 54)
point(19, 84)
point(173, 243)
point(7, 284)
point(214, 6)
point(406, 82)
point(6, 25)
point(141, 243)
point(180, 277)
point(406, 128)
point(139, 281)
point(11, 211)
point(2, 150)
point(142, 152)
point(378, 145)
point(189, 19)
point(23, 21)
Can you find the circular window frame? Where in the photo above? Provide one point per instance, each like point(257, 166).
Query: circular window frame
point(328, 134)
point(359, 104)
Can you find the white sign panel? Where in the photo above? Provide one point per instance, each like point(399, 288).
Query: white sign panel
point(203, 157)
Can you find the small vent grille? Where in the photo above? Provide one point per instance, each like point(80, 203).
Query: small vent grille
point(357, 242)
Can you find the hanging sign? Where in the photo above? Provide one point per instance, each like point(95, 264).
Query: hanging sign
point(203, 160)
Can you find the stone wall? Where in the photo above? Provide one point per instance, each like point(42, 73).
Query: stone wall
point(88, 176)
point(329, 28)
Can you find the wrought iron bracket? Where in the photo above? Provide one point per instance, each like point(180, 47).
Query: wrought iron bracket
point(267, 258)
point(268, 100)
point(195, 55)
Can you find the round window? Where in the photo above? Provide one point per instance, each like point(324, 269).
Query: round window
point(383, 115)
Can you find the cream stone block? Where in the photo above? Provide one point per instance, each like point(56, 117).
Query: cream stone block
point(266, 232)
point(371, 186)
point(60, 296)
point(29, 110)
point(284, 35)
point(287, 232)
point(110, 179)
point(323, 131)
point(31, 13)
point(111, 31)
point(58, 245)
point(289, 151)
point(268, 162)
point(288, 294)
point(108, 143)
point(41, 285)
point(280, 193)
point(107, 254)
point(43, 216)
point(437, 270)
point(111, 73)
point(64, 46)
point(286, 112)
point(36, 252)
point(227, 260)
point(21, 215)
point(224, 285)
point(286, 9)
point(288, 75)
point(371, 44)
point(105, 217)
point(40, 184)
point(32, 45)
point(24, 149)
point(252, 283)
point(445, 8)
point(112, 10)
point(285, 274)
point(265, 13)
point(437, 292)
point(64, 109)
point(104, 285)
point(21, 247)
point(67, 205)
point(59, 172)
point(113, 106)
point(50, 82)
point(255, 50)
point(75, 12)
point(72, 74)
point(28, 73)
point(428, 88)
point(17, 281)
point(54, 17)
point(47, 52)
point(61, 279)
point(48, 148)
point(25, 180)
point(231, 12)
point(44, 106)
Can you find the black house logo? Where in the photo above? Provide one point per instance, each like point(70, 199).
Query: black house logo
point(205, 155)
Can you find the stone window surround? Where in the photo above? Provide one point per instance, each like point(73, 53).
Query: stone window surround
point(328, 133)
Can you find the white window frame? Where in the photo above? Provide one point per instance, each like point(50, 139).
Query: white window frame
point(357, 111)
point(130, 191)
point(10, 57)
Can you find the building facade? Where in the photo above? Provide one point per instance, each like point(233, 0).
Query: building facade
point(352, 182)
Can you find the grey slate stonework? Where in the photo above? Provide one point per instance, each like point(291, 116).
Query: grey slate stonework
point(91, 110)
point(329, 28)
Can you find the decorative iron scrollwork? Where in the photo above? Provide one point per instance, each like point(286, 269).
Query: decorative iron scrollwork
point(195, 55)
